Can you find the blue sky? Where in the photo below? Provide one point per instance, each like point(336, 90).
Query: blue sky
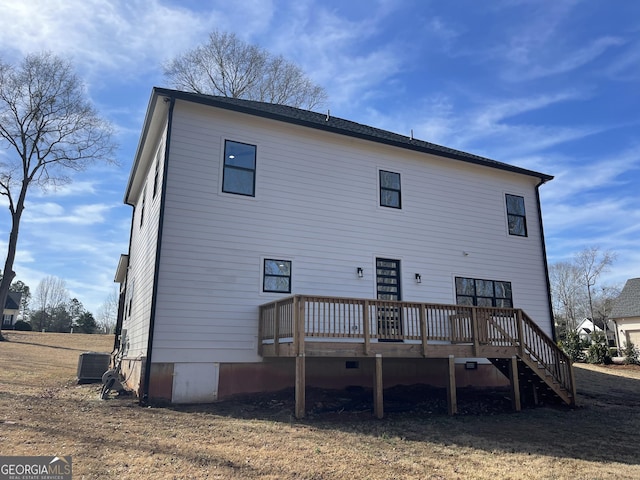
point(551, 86)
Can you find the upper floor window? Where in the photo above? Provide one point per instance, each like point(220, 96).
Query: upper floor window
point(144, 197)
point(483, 293)
point(239, 174)
point(156, 175)
point(390, 189)
point(277, 276)
point(516, 216)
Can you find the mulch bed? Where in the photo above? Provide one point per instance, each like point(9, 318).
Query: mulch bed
point(415, 399)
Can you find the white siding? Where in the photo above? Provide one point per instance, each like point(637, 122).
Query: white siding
point(142, 255)
point(317, 204)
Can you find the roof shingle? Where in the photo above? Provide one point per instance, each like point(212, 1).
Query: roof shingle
point(628, 302)
point(13, 301)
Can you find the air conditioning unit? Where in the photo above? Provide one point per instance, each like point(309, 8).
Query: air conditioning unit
point(91, 366)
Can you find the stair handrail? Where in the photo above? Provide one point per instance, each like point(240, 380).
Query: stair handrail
point(560, 368)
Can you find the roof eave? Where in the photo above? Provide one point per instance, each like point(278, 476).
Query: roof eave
point(149, 118)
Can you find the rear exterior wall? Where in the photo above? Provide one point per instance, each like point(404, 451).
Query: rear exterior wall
point(317, 204)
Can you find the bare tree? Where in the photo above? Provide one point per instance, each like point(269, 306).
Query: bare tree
point(50, 295)
point(566, 292)
point(230, 67)
point(572, 285)
point(108, 312)
point(591, 262)
point(47, 129)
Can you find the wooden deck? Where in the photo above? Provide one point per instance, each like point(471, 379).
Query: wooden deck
point(302, 326)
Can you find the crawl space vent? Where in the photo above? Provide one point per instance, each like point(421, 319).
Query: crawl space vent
point(91, 366)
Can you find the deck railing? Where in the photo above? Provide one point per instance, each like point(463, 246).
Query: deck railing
point(334, 317)
point(300, 318)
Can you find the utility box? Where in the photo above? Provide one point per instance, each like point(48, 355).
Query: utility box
point(92, 365)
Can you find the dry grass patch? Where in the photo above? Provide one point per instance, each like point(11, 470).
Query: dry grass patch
point(44, 412)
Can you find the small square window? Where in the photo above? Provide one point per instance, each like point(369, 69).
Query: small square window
point(277, 276)
point(390, 190)
point(239, 174)
point(516, 216)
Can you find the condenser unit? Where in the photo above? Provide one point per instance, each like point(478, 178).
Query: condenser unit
point(91, 366)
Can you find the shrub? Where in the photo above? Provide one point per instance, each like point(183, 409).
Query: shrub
point(630, 354)
point(613, 352)
point(598, 351)
point(572, 346)
point(22, 326)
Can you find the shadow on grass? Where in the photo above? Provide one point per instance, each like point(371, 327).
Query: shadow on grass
point(602, 428)
point(22, 342)
point(124, 443)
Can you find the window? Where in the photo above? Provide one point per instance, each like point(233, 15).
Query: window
point(390, 189)
point(239, 175)
point(7, 320)
point(277, 276)
point(157, 174)
point(144, 196)
point(515, 215)
point(483, 293)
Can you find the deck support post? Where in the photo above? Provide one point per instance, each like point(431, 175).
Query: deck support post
point(276, 330)
point(452, 401)
point(378, 395)
point(534, 389)
point(515, 384)
point(572, 380)
point(423, 328)
point(366, 327)
point(300, 386)
point(475, 331)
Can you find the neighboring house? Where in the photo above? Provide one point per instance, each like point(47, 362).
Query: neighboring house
point(11, 310)
point(625, 313)
point(272, 246)
point(586, 328)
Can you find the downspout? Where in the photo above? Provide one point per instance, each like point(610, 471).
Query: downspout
point(144, 399)
point(546, 263)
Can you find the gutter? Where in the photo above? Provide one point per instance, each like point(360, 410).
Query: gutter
point(544, 257)
point(144, 399)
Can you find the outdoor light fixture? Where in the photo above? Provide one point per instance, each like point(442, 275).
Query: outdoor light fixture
point(360, 272)
point(418, 278)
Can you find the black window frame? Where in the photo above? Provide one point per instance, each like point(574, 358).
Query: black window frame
point(227, 168)
point(142, 204)
point(156, 175)
point(495, 300)
point(266, 275)
point(516, 218)
point(384, 189)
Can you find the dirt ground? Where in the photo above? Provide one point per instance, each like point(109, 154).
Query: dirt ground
point(43, 411)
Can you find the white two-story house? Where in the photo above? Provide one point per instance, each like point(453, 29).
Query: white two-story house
point(272, 246)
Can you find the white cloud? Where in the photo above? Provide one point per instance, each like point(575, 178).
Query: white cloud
point(590, 175)
point(53, 213)
point(121, 38)
point(550, 63)
point(626, 65)
point(77, 188)
point(485, 127)
point(337, 52)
